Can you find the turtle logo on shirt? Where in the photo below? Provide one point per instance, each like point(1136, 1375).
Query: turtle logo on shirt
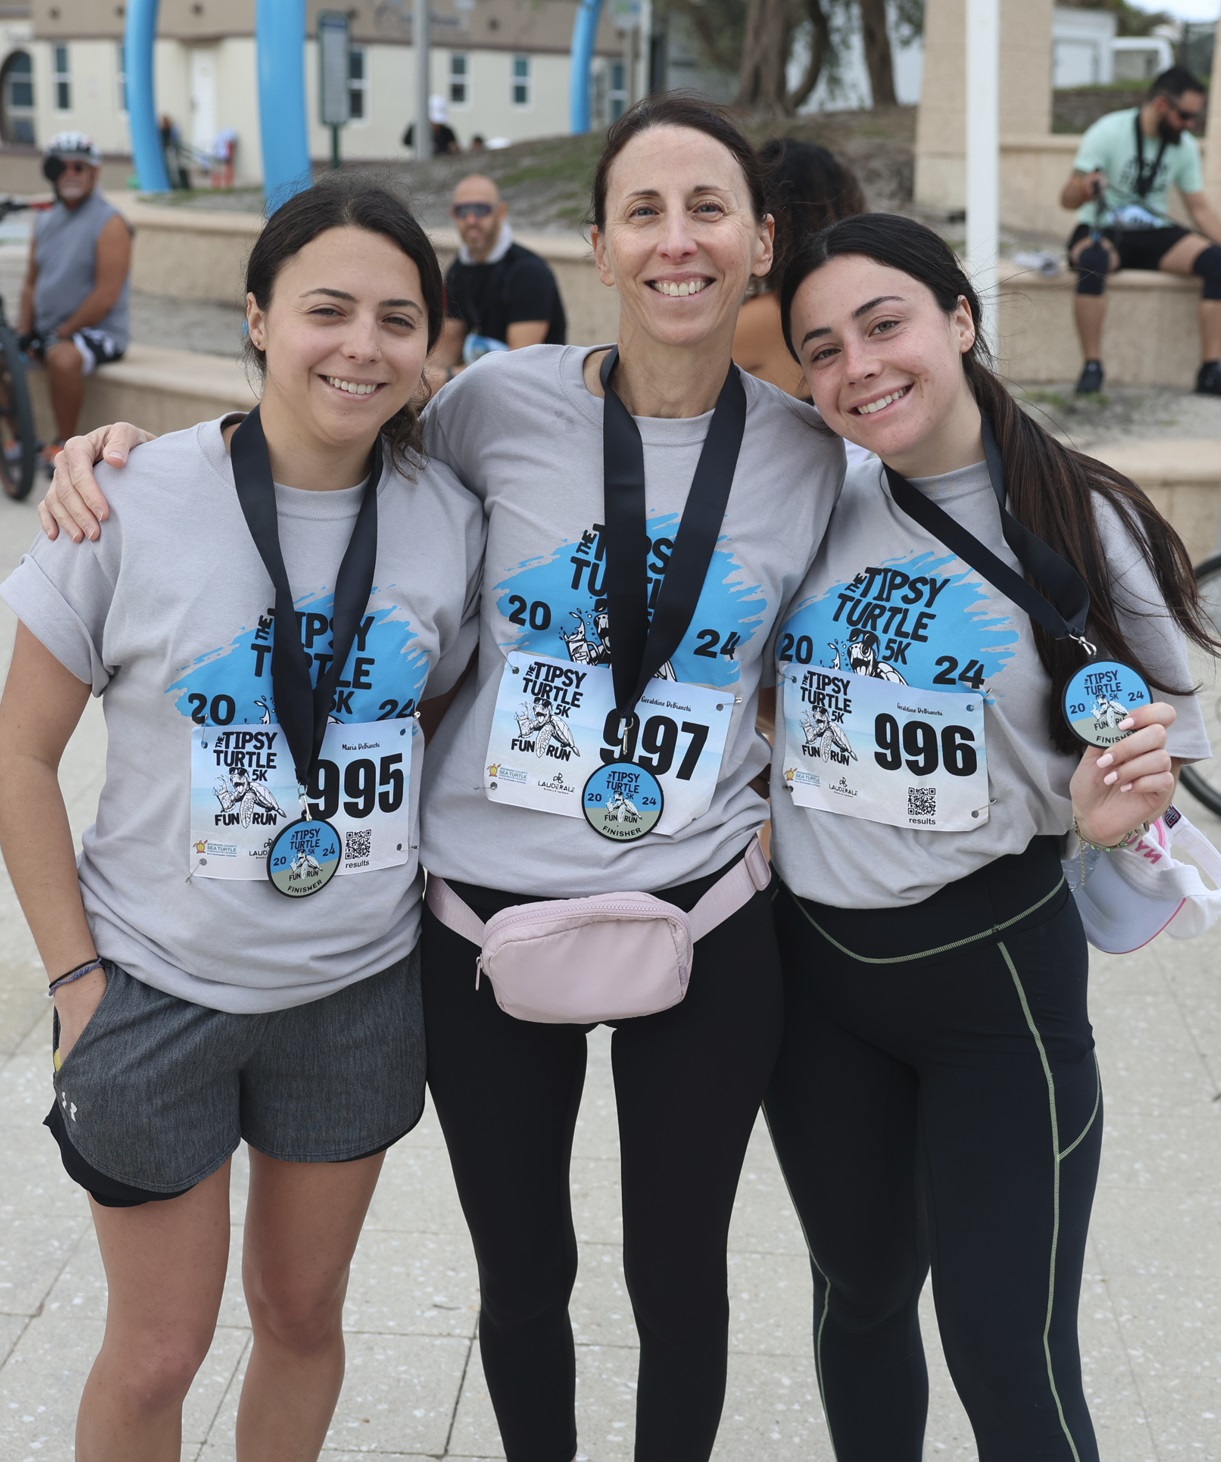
point(864, 657)
point(555, 603)
point(585, 648)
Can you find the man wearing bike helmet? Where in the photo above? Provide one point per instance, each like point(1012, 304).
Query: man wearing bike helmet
point(74, 303)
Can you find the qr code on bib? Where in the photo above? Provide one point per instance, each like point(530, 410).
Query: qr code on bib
point(922, 802)
point(357, 845)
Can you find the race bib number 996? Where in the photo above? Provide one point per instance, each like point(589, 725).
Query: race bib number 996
point(883, 751)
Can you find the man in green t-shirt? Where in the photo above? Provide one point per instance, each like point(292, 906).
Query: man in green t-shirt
point(1120, 185)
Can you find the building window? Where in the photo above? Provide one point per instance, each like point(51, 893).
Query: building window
point(616, 95)
point(63, 80)
point(17, 99)
point(358, 83)
point(521, 81)
point(122, 73)
point(459, 77)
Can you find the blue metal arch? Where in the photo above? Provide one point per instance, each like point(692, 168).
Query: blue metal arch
point(280, 40)
point(584, 34)
point(139, 33)
point(280, 27)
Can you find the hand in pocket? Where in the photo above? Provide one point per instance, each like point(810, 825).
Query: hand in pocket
point(75, 1005)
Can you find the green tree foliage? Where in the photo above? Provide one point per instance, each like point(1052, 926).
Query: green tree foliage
point(755, 38)
point(1132, 22)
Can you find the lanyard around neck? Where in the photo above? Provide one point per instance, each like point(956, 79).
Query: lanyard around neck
point(1064, 614)
point(1145, 180)
point(302, 705)
point(640, 646)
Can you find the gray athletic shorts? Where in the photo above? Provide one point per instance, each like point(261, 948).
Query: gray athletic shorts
point(157, 1092)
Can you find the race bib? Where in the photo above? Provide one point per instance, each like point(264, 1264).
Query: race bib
point(555, 724)
point(244, 793)
point(880, 750)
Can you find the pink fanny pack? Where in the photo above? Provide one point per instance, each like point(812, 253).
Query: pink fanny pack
point(610, 957)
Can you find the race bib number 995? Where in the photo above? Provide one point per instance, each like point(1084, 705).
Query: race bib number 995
point(244, 793)
point(883, 751)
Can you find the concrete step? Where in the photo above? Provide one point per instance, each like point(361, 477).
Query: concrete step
point(156, 387)
point(1184, 480)
point(1152, 334)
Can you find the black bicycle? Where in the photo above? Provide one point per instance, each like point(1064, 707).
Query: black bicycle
point(1203, 778)
point(18, 441)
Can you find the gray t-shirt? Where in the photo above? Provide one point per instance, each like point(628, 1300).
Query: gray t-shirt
point(169, 618)
point(66, 249)
point(525, 434)
point(890, 596)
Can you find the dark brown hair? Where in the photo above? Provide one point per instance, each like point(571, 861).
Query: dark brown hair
point(1051, 488)
point(1175, 82)
point(808, 188)
point(678, 109)
point(351, 201)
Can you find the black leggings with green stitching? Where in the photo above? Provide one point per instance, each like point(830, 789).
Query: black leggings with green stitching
point(937, 1104)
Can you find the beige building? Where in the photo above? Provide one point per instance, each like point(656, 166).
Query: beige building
point(502, 66)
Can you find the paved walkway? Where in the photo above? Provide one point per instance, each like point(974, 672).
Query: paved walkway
point(1151, 1314)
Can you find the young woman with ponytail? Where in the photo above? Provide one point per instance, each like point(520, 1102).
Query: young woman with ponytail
point(937, 1101)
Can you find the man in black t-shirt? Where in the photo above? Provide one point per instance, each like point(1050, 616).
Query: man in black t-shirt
point(498, 295)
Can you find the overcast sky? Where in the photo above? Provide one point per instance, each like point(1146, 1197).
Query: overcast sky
point(1184, 9)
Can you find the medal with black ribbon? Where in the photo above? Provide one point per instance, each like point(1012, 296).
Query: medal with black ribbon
point(1102, 693)
point(622, 791)
point(306, 854)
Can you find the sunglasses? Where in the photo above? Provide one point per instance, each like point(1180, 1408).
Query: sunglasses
point(1187, 116)
point(77, 167)
point(463, 211)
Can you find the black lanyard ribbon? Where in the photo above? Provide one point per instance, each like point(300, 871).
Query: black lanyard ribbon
point(1062, 615)
point(302, 706)
point(1146, 179)
point(640, 646)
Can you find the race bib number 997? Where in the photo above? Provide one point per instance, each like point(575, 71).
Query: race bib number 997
point(883, 751)
point(555, 724)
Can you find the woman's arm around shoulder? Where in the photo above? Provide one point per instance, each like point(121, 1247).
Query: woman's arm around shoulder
point(74, 501)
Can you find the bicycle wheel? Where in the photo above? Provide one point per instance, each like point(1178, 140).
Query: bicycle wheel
point(18, 444)
point(1203, 778)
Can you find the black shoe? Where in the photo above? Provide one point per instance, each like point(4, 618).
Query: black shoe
point(1208, 381)
point(1089, 382)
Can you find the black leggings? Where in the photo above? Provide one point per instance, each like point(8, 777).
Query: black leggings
point(937, 1100)
point(688, 1083)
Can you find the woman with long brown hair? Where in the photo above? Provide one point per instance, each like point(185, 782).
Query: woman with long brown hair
point(987, 655)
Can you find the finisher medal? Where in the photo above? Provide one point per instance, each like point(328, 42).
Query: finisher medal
point(1101, 695)
point(622, 801)
point(304, 857)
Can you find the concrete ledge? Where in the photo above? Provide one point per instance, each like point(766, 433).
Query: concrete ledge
point(161, 389)
point(191, 253)
point(1184, 480)
point(1152, 333)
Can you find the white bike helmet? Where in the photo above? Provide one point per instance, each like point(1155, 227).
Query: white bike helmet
point(73, 145)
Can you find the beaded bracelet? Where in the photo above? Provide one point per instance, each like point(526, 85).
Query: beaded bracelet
point(1127, 841)
point(77, 974)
